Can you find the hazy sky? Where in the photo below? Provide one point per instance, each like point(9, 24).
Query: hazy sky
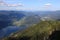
point(33, 5)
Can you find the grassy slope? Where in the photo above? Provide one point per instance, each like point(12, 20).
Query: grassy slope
point(39, 31)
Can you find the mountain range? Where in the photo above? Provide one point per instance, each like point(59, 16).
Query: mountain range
point(24, 19)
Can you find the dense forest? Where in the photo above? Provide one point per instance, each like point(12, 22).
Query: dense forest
point(40, 31)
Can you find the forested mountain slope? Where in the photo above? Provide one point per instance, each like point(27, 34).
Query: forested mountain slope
point(40, 31)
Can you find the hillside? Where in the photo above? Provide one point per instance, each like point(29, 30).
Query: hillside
point(12, 21)
point(7, 18)
point(28, 21)
point(40, 31)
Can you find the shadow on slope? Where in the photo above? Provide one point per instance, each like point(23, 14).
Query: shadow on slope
point(55, 35)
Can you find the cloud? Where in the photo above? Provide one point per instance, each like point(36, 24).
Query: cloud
point(2, 3)
point(14, 5)
point(48, 5)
